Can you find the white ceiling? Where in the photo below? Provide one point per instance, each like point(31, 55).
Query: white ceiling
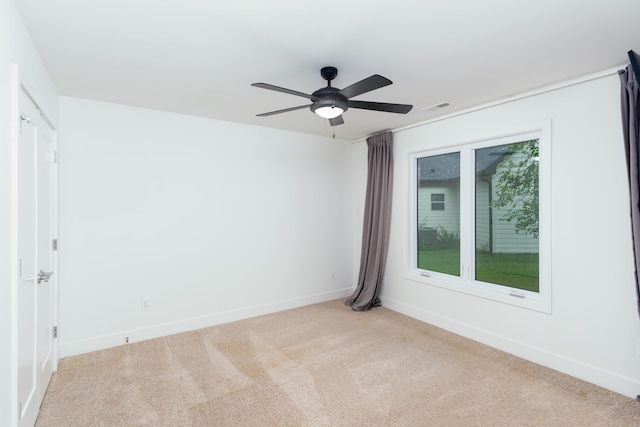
point(199, 57)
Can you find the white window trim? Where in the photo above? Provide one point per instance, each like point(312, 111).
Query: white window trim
point(538, 301)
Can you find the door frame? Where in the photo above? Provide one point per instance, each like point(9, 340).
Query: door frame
point(19, 85)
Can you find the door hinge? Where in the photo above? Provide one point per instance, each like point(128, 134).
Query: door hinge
point(23, 118)
point(54, 156)
point(54, 245)
point(55, 332)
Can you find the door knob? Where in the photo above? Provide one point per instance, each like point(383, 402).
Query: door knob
point(43, 276)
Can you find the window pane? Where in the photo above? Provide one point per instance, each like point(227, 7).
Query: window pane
point(506, 219)
point(439, 229)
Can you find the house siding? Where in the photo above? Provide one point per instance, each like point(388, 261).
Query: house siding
point(449, 218)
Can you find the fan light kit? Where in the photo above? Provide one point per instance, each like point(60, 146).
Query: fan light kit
point(328, 112)
point(330, 102)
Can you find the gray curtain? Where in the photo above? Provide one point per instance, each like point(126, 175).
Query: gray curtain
point(630, 125)
point(376, 224)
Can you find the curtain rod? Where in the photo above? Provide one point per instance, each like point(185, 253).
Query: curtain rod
point(550, 88)
point(378, 133)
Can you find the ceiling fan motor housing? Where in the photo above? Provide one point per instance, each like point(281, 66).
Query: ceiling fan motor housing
point(329, 97)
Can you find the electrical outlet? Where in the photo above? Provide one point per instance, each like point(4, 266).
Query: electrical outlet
point(144, 305)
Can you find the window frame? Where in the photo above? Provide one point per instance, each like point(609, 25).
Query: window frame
point(466, 282)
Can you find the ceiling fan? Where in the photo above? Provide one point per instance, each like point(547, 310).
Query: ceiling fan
point(330, 102)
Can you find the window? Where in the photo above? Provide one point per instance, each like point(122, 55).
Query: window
point(506, 215)
point(488, 240)
point(437, 202)
point(438, 239)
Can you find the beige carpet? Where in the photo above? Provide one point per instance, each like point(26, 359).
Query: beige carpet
point(322, 365)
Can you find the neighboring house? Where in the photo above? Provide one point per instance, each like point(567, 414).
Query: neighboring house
point(439, 202)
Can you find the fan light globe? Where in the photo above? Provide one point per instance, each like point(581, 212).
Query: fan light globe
point(329, 112)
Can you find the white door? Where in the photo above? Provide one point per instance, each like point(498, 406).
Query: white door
point(36, 355)
point(46, 360)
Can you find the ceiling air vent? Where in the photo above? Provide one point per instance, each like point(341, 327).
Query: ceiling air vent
point(435, 106)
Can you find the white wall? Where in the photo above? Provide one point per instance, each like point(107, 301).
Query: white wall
point(211, 221)
point(593, 328)
point(16, 47)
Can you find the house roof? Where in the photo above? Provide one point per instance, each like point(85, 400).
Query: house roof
point(446, 167)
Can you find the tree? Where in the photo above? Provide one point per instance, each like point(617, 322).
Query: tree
point(517, 187)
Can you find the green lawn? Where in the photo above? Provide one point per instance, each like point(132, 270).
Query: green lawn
point(514, 270)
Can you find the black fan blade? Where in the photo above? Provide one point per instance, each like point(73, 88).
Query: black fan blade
point(381, 106)
point(336, 120)
point(283, 90)
point(367, 85)
point(271, 113)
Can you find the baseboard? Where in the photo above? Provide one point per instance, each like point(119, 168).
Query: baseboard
point(156, 331)
point(626, 386)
